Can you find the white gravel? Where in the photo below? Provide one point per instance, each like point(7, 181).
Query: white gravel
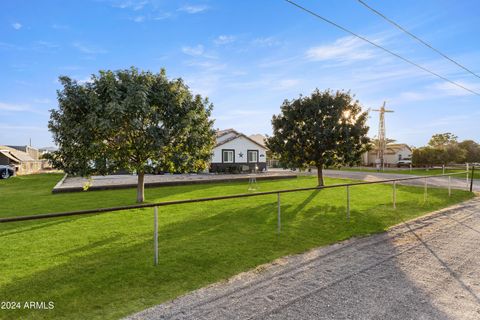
point(428, 268)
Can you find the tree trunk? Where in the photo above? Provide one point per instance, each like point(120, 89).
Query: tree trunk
point(141, 187)
point(320, 175)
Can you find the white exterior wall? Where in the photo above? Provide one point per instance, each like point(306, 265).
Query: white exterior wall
point(240, 145)
point(370, 158)
point(403, 153)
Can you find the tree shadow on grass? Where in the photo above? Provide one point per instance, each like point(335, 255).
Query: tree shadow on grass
point(307, 200)
point(17, 228)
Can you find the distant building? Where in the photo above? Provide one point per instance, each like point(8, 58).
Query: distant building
point(394, 153)
point(24, 159)
point(272, 161)
point(46, 150)
point(235, 152)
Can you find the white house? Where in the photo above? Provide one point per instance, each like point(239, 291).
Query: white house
point(235, 151)
point(394, 152)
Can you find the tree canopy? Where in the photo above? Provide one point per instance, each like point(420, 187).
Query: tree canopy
point(324, 129)
point(444, 148)
point(440, 140)
point(133, 121)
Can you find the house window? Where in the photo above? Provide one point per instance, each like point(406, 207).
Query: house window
point(227, 156)
point(252, 155)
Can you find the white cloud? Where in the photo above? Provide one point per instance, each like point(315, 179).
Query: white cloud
point(343, 49)
point(207, 65)
point(4, 126)
point(45, 46)
point(449, 89)
point(198, 50)
point(88, 49)
point(139, 19)
point(163, 16)
point(10, 107)
point(130, 4)
point(13, 107)
point(17, 25)
point(192, 9)
point(42, 101)
point(266, 42)
point(9, 46)
point(60, 26)
point(204, 83)
point(438, 90)
point(224, 39)
point(287, 84)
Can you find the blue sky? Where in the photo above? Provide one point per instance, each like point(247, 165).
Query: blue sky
point(247, 57)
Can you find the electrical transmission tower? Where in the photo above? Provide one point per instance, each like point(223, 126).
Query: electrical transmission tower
point(382, 143)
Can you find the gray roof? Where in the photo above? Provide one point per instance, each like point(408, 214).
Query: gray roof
point(236, 135)
point(19, 155)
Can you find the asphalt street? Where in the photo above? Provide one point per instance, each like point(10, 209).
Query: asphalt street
point(457, 181)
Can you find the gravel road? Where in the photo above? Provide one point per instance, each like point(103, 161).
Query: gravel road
point(428, 268)
point(457, 181)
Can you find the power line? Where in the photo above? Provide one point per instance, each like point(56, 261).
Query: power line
point(417, 38)
point(382, 48)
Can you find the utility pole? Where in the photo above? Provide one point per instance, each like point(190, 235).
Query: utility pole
point(382, 144)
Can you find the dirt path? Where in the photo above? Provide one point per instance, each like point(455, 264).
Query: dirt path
point(428, 268)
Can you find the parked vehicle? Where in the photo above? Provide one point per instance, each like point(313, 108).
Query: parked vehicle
point(6, 172)
point(404, 163)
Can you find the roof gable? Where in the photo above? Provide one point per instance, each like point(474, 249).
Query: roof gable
point(234, 135)
point(19, 155)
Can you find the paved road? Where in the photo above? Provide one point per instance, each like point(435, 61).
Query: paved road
point(423, 269)
point(458, 181)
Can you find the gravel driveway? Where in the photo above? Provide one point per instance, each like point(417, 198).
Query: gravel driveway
point(428, 268)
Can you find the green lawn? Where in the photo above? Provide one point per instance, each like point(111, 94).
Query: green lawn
point(418, 171)
point(101, 266)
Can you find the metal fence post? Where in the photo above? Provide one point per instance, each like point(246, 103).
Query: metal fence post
point(471, 180)
point(449, 186)
point(394, 194)
point(279, 223)
point(468, 182)
point(425, 191)
point(155, 235)
point(348, 203)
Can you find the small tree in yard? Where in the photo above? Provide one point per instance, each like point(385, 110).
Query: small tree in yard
point(326, 129)
point(129, 120)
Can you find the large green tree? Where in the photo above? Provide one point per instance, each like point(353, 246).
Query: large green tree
point(441, 140)
point(471, 149)
point(443, 149)
point(325, 129)
point(141, 122)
